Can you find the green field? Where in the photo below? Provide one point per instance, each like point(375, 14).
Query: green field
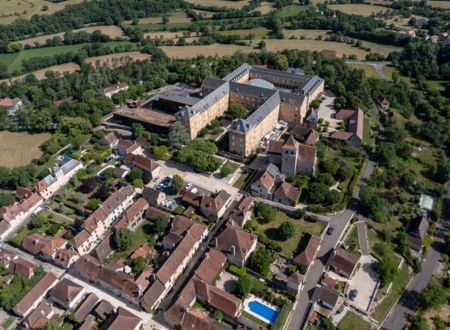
point(7, 59)
point(368, 69)
point(259, 32)
point(352, 321)
point(291, 10)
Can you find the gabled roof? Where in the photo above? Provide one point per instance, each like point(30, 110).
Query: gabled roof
point(291, 143)
point(210, 266)
point(328, 295)
point(307, 152)
point(144, 163)
point(275, 147)
point(241, 240)
point(86, 307)
point(66, 291)
point(180, 224)
point(63, 257)
point(124, 320)
point(215, 204)
point(289, 191)
point(296, 278)
point(305, 257)
point(217, 298)
point(39, 317)
point(266, 180)
point(344, 260)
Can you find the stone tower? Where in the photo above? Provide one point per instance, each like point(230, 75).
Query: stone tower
point(289, 157)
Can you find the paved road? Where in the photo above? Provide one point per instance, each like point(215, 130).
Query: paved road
point(362, 237)
point(408, 301)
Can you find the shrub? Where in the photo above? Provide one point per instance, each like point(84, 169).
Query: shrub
point(268, 213)
point(237, 271)
point(286, 230)
point(225, 171)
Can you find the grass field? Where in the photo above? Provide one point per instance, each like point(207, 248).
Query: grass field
point(175, 17)
point(117, 59)
point(358, 9)
point(270, 230)
point(259, 32)
point(264, 8)
point(351, 321)
point(18, 149)
point(291, 10)
point(369, 70)
point(307, 34)
point(220, 3)
point(380, 49)
point(14, 9)
point(208, 50)
point(112, 31)
point(439, 4)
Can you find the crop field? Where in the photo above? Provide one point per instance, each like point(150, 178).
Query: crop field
point(307, 34)
point(208, 50)
point(166, 35)
point(259, 32)
point(439, 4)
point(14, 9)
point(220, 3)
point(264, 8)
point(112, 31)
point(18, 149)
point(40, 74)
point(291, 10)
point(358, 9)
point(117, 59)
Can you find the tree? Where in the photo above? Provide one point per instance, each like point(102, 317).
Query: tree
point(286, 230)
point(38, 221)
point(177, 184)
point(373, 204)
point(178, 135)
point(138, 183)
point(326, 178)
point(344, 172)
point(225, 171)
point(420, 323)
point(139, 264)
point(326, 324)
point(218, 315)
point(138, 130)
point(262, 44)
point(442, 172)
point(260, 261)
point(135, 173)
point(160, 224)
point(93, 204)
point(123, 239)
point(387, 269)
point(333, 196)
point(6, 199)
point(236, 111)
point(244, 285)
point(315, 104)
point(433, 296)
point(160, 151)
point(317, 192)
point(268, 213)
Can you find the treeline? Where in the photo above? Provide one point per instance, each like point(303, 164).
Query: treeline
point(76, 16)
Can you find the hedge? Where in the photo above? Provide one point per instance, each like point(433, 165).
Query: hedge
point(282, 316)
point(237, 271)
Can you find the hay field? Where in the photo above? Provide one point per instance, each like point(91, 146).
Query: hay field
point(358, 9)
point(174, 17)
point(208, 50)
point(117, 59)
point(439, 4)
point(40, 74)
point(112, 31)
point(307, 34)
point(264, 8)
point(380, 49)
point(220, 3)
point(369, 70)
point(259, 32)
point(14, 9)
point(18, 149)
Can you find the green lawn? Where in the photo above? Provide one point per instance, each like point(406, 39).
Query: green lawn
point(167, 27)
point(17, 239)
point(270, 231)
point(398, 286)
point(291, 10)
point(56, 218)
point(351, 321)
point(240, 182)
point(7, 59)
point(8, 322)
point(232, 165)
point(255, 319)
point(352, 240)
point(368, 69)
point(366, 138)
point(437, 85)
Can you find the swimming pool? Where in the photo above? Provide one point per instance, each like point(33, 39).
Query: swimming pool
point(262, 310)
point(427, 202)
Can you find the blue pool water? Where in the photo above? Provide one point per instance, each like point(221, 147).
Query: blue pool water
point(263, 310)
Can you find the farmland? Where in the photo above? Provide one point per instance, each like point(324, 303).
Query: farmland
point(259, 32)
point(439, 4)
point(220, 3)
point(12, 10)
point(307, 34)
point(358, 9)
point(117, 59)
point(209, 50)
point(18, 149)
point(264, 8)
point(40, 74)
point(175, 17)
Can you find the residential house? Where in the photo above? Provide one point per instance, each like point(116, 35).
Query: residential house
point(286, 194)
point(211, 266)
point(153, 213)
point(125, 147)
point(104, 310)
point(153, 196)
point(16, 265)
point(417, 231)
point(305, 135)
point(237, 244)
point(106, 247)
point(120, 172)
point(145, 251)
point(242, 212)
point(110, 140)
point(85, 307)
point(263, 186)
point(59, 176)
point(12, 106)
point(343, 262)
point(355, 123)
point(65, 257)
point(34, 297)
point(216, 205)
point(67, 294)
point(150, 167)
point(328, 297)
point(382, 102)
point(124, 319)
point(43, 247)
point(39, 317)
point(294, 281)
point(306, 256)
point(113, 89)
point(133, 215)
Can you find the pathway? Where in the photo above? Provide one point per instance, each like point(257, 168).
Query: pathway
point(362, 237)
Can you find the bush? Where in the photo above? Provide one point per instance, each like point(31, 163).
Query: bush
point(326, 178)
point(266, 212)
point(237, 271)
point(225, 171)
point(286, 230)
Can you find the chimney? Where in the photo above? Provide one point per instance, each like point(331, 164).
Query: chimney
point(233, 250)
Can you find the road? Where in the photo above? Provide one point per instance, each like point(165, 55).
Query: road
point(409, 299)
point(362, 237)
point(379, 65)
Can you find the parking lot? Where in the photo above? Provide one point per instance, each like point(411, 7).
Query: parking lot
point(327, 111)
point(365, 282)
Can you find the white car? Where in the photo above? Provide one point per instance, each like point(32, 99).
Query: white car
point(194, 190)
point(189, 186)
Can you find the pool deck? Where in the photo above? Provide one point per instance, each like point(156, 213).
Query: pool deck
point(251, 298)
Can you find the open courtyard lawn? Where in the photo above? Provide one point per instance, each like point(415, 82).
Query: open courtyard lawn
point(399, 284)
point(17, 239)
point(208, 50)
point(270, 231)
point(55, 218)
point(307, 34)
point(141, 235)
point(352, 321)
point(358, 9)
point(12, 10)
point(18, 149)
point(291, 10)
point(220, 3)
point(444, 4)
point(232, 166)
point(369, 70)
point(259, 32)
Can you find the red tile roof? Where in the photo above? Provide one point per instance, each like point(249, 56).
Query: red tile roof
point(344, 260)
point(236, 237)
point(211, 265)
point(289, 191)
point(305, 257)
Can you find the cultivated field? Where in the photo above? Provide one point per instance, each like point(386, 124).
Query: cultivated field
point(166, 35)
point(112, 31)
point(204, 13)
point(259, 32)
point(358, 9)
point(117, 59)
point(208, 50)
point(14, 9)
point(264, 8)
point(18, 149)
point(439, 4)
point(40, 74)
point(307, 34)
point(220, 3)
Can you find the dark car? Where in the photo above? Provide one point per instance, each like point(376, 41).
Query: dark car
point(330, 230)
point(353, 294)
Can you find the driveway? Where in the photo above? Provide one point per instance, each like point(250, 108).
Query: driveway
point(362, 237)
point(365, 282)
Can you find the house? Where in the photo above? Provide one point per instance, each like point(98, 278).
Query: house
point(125, 320)
point(286, 194)
point(106, 247)
point(216, 205)
point(305, 135)
point(243, 211)
point(110, 140)
point(113, 89)
point(67, 294)
point(125, 147)
point(59, 176)
point(65, 257)
point(328, 297)
point(145, 251)
point(85, 307)
point(237, 244)
point(382, 102)
point(343, 262)
point(153, 213)
point(211, 265)
point(104, 310)
point(16, 265)
point(173, 267)
point(153, 196)
point(133, 215)
point(42, 246)
point(34, 297)
point(120, 172)
point(149, 166)
point(39, 317)
point(355, 122)
point(294, 281)
point(308, 253)
point(417, 230)
point(263, 186)
point(12, 106)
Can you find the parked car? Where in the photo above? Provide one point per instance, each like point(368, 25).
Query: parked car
point(330, 230)
point(353, 294)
